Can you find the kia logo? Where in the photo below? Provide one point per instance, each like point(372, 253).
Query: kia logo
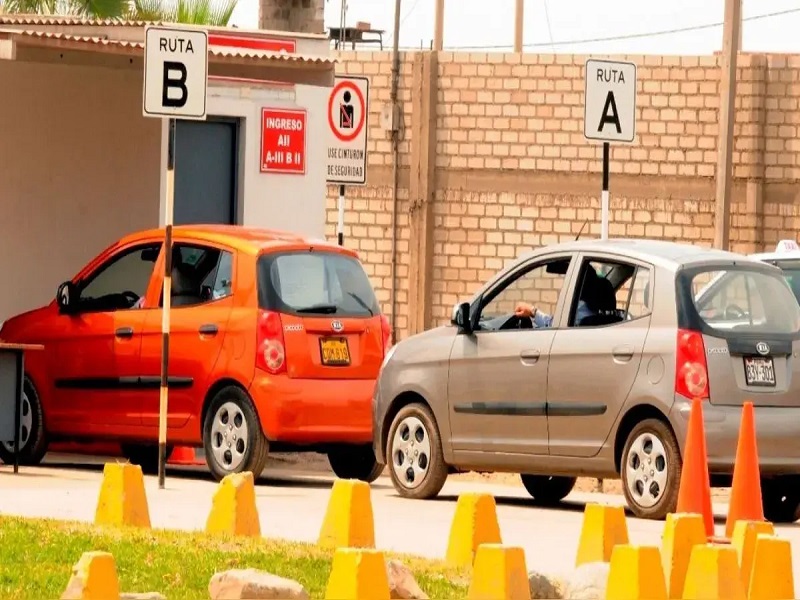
point(762, 348)
point(337, 327)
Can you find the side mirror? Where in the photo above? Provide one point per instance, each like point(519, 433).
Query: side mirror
point(67, 296)
point(461, 317)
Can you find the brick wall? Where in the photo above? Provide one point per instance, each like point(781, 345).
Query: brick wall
point(514, 172)
point(303, 16)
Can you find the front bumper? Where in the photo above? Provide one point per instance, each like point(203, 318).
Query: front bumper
point(777, 436)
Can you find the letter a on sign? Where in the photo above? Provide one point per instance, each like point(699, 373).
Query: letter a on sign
point(610, 101)
point(175, 72)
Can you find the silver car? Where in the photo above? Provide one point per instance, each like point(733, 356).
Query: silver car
point(598, 382)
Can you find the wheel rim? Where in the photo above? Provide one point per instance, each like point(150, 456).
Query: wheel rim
point(25, 425)
point(229, 436)
point(646, 470)
point(411, 452)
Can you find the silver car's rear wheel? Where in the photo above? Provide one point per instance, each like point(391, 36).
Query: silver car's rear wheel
point(414, 453)
point(650, 467)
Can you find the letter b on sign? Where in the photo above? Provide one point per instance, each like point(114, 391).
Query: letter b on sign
point(175, 72)
point(174, 82)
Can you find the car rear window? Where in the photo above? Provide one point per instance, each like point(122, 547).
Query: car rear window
point(791, 272)
point(745, 300)
point(315, 283)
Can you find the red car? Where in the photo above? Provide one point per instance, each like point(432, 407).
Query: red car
point(276, 342)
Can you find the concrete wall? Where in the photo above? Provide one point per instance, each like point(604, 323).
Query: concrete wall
point(513, 171)
point(301, 16)
point(75, 173)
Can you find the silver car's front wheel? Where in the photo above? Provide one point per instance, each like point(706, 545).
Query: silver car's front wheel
point(414, 453)
point(650, 467)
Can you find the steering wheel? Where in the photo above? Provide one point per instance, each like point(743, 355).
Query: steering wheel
point(732, 311)
point(133, 297)
point(515, 322)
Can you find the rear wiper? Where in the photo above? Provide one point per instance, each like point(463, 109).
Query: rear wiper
point(362, 303)
point(325, 309)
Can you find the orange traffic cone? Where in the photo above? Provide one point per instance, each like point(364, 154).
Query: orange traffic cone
point(745, 503)
point(694, 494)
point(184, 455)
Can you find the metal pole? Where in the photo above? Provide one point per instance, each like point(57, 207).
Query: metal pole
point(342, 21)
point(727, 114)
point(340, 227)
point(519, 13)
point(438, 26)
point(395, 157)
point(166, 304)
point(606, 165)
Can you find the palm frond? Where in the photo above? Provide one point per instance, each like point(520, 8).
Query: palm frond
point(102, 9)
point(191, 12)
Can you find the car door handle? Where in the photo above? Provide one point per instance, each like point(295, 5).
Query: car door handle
point(529, 357)
point(208, 329)
point(124, 332)
point(622, 353)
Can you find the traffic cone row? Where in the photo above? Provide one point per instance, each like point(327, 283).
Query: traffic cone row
point(694, 495)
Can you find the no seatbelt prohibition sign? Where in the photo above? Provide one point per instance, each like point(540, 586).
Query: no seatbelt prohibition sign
point(348, 111)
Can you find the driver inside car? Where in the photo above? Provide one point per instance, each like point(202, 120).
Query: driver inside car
point(540, 319)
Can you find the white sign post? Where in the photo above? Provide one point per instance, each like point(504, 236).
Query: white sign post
point(348, 124)
point(175, 86)
point(609, 113)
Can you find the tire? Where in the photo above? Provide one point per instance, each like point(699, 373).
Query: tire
point(781, 499)
point(232, 435)
point(355, 462)
point(651, 488)
point(33, 436)
point(416, 419)
point(144, 455)
point(548, 490)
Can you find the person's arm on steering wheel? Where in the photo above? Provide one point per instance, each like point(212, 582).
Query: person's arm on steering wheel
point(540, 319)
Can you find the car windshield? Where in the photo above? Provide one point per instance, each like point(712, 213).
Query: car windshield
point(316, 283)
point(750, 301)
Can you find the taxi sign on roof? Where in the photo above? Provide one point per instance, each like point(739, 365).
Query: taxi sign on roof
point(787, 246)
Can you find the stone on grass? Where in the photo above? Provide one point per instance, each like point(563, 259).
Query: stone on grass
point(252, 584)
point(402, 584)
point(587, 582)
point(143, 596)
point(544, 586)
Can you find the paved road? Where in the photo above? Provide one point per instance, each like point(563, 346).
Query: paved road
point(549, 536)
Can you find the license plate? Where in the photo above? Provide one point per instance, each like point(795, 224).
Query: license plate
point(759, 371)
point(334, 352)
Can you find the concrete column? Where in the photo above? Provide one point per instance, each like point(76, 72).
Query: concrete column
point(301, 16)
point(422, 189)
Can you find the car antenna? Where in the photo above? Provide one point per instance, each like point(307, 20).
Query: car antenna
point(577, 237)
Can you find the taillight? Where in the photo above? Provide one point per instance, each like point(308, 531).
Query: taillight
point(386, 330)
point(271, 350)
point(691, 369)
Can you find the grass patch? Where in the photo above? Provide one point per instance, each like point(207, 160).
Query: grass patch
point(37, 555)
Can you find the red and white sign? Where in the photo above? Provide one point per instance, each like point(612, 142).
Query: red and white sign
point(283, 140)
point(348, 112)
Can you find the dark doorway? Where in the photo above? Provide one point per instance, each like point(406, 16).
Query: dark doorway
point(206, 171)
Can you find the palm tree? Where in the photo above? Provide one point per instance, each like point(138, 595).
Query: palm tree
point(194, 12)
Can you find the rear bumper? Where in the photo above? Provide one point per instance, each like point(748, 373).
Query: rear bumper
point(314, 411)
point(777, 436)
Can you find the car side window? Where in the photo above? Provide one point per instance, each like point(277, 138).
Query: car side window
point(200, 274)
point(121, 283)
point(539, 286)
point(610, 292)
point(223, 280)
